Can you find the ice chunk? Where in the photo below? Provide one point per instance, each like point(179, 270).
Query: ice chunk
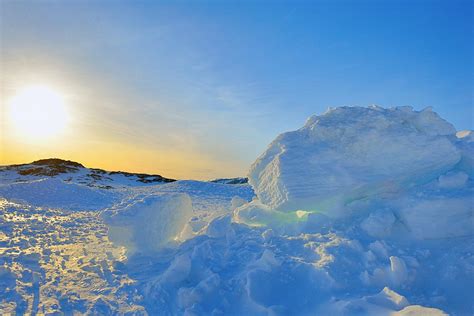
point(417, 310)
point(178, 270)
point(438, 216)
point(149, 224)
point(219, 226)
point(465, 143)
point(464, 134)
point(236, 202)
point(389, 299)
point(379, 223)
point(257, 214)
point(253, 214)
point(396, 274)
point(453, 180)
point(352, 153)
point(398, 271)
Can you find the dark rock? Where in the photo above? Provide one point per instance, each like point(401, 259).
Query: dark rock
point(47, 167)
point(54, 166)
point(57, 162)
point(231, 181)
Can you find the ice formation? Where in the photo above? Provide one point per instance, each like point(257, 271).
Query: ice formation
point(363, 211)
point(353, 153)
point(150, 223)
point(408, 167)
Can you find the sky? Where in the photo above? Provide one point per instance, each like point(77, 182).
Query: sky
point(198, 89)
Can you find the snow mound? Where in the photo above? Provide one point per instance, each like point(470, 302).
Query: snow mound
point(55, 193)
point(387, 302)
point(149, 224)
point(353, 153)
point(235, 269)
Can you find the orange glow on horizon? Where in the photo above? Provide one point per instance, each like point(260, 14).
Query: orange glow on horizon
point(121, 157)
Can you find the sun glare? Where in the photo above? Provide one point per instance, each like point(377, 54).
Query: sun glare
point(38, 112)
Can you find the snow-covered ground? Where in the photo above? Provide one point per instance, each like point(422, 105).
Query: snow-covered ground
point(363, 211)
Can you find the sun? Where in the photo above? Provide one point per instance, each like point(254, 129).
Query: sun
point(38, 112)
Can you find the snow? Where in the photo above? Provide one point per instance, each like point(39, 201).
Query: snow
point(439, 217)
point(416, 310)
point(389, 299)
point(55, 193)
point(379, 223)
point(465, 144)
point(353, 153)
point(453, 180)
point(363, 211)
point(149, 224)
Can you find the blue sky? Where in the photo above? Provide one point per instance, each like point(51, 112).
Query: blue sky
point(216, 81)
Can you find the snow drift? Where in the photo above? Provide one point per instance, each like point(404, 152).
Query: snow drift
point(55, 193)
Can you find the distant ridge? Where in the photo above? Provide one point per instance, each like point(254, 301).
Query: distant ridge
point(55, 166)
point(231, 181)
point(51, 167)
